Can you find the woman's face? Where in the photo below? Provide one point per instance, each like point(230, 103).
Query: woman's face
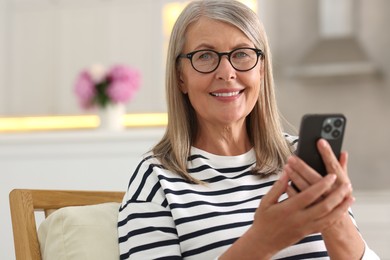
point(225, 96)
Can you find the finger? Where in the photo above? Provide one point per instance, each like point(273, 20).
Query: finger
point(332, 164)
point(344, 165)
point(332, 201)
point(291, 191)
point(305, 171)
point(298, 182)
point(276, 191)
point(335, 215)
point(344, 160)
point(312, 194)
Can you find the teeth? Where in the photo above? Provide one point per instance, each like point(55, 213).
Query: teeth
point(228, 94)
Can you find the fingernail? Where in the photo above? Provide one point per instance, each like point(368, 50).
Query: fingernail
point(332, 176)
point(351, 200)
point(292, 160)
point(323, 143)
point(283, 175)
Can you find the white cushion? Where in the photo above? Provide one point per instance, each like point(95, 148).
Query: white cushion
point(83, 232)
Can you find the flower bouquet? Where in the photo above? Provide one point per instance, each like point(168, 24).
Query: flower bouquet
point(107, 90)
point(97, 87)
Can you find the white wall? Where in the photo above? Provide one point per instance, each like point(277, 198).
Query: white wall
point(3, 27)
point(50, 42)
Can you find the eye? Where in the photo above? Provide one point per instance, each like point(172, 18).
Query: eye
point(241, 54)
point(204, 55)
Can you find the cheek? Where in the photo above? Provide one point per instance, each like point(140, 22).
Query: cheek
point(194, 82)
point(255, 81)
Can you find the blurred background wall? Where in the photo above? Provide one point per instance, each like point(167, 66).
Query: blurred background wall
point(329, 56)
point(350, 74)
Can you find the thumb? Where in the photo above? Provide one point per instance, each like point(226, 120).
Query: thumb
point(277, 190)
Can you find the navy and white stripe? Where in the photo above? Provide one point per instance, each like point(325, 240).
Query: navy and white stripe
point(165, 217)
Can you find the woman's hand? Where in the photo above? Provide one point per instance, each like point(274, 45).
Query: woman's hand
point(278, 225)
point(341, 238)
point(304, 176)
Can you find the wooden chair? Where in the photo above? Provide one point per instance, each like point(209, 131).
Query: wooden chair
point(23, 204)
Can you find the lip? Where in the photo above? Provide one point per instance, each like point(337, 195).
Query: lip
point(227, 94)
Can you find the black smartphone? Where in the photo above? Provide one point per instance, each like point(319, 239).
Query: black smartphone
point(315, 126)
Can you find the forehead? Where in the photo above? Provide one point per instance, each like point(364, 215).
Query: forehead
point(214, 34)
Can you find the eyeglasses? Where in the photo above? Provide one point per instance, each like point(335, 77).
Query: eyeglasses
point(207, 61)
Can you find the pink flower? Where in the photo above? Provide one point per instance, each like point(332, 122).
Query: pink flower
point(97, 72)
point(85, 89)
point(125, 82)
point(97, 87)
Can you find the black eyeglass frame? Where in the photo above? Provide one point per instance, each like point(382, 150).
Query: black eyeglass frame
point(220, 54)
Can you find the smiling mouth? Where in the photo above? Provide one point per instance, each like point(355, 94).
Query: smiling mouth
point(226, 94)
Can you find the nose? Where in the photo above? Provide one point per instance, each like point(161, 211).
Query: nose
point(225, 70)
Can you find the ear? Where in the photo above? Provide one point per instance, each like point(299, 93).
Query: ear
point(262, 73)
point(262, 68)
point(183, 86)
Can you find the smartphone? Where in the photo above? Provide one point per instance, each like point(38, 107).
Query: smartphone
point(315, 126)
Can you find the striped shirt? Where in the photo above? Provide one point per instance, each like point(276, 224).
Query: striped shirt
point(162, 216)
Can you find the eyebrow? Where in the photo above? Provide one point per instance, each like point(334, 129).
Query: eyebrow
point(203, 46)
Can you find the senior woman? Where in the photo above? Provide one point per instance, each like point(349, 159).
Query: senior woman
point(215, 186)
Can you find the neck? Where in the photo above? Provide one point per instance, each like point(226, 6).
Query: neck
point(228, 140)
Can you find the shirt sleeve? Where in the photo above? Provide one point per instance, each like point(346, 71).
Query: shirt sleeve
point(369, 254)
point(146, 229)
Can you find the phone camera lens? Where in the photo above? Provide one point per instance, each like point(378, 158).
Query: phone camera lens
point(337, 122)
point(336, 133)
point(327, 128)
